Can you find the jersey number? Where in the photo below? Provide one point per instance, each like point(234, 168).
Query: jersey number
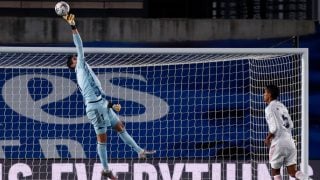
point(285, 120)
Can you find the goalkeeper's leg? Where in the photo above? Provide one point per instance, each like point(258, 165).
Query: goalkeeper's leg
point(126, 138)
point(103, 155)
point(100, 130)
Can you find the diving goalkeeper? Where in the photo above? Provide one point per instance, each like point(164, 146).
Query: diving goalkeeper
point(99, 111)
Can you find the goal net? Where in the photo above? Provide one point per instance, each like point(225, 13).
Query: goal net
point(202, 110)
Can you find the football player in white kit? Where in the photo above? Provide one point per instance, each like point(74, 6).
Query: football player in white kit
point(282, 150)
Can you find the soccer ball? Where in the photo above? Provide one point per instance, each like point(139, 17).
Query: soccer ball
point(62, 8)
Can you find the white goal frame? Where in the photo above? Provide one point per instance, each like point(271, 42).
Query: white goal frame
point(304, 73)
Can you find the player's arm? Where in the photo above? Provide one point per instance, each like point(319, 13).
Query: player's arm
point(70, 18)
point(272, 126)
point(271, 120)
point(268, 139)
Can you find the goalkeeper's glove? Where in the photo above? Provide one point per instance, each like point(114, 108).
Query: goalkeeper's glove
point(70, 19)
point(116, 107)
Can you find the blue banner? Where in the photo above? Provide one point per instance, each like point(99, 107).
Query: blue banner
point(187, 110)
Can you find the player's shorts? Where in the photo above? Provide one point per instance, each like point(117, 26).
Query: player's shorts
point(101, 116)
point(282, 153)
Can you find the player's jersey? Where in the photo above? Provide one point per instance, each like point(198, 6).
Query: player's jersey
point(88, 82)
point(279, 122)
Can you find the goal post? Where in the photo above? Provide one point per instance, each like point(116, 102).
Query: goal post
point(198, 107)
point(305, 111)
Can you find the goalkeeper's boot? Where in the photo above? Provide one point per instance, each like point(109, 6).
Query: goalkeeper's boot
point(108, 174)
point(145, 153)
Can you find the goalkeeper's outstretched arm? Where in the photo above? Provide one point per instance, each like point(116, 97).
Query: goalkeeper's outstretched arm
point(70, 18)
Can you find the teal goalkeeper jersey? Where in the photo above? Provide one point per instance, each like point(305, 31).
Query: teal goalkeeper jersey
point(88, 82)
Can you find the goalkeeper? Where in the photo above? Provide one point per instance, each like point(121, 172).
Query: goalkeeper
point(99, 111)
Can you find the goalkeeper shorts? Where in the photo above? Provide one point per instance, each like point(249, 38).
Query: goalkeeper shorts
point(100, 116)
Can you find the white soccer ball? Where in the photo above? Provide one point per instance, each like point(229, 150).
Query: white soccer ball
point(62, 8)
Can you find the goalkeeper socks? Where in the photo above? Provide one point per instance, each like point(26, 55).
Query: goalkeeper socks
point(277, 177)
point(126, 138)
point(102, 151)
